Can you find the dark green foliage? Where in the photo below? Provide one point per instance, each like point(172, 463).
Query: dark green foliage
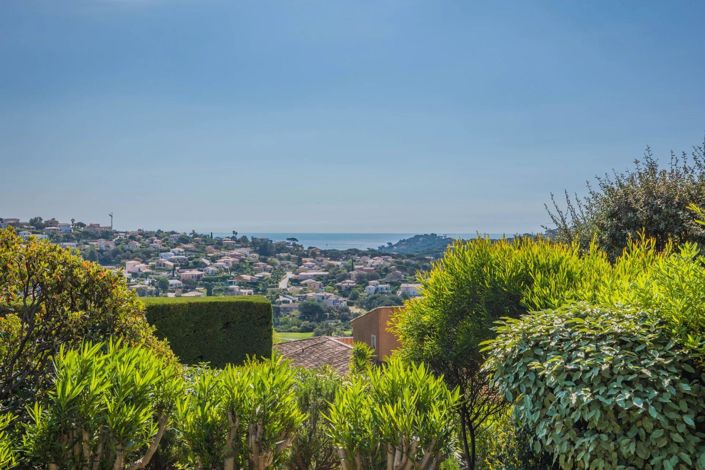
point(51, 297)
point(382, 300)
point(423, 245)
point(311, 311)
point(647, 197)
point(218, 330)
point(601, 388)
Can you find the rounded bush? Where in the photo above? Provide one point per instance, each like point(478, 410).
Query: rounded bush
point(601, 389)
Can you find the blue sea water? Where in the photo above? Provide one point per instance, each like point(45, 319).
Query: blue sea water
point(345, 241)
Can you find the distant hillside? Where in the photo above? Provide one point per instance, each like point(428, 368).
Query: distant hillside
point(424, 245)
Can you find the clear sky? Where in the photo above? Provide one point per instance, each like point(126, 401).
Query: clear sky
point(354, 116)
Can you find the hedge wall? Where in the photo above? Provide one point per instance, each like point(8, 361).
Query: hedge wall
point(218, 330)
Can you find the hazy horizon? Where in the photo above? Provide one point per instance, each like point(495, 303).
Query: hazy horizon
point(336, 116)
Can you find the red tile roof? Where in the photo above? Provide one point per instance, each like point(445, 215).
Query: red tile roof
point(316, 352)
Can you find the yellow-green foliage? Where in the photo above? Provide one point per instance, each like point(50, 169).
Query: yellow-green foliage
point(7, 448)
point(361, 358)
point(218, 330)
point(478, 282)
point(601, 389)
point(244, 416)
point(400, 418)
point(312, 448)
point(109, 406)
point(50, 296)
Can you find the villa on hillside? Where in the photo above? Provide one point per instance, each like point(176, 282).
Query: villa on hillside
point(370, 328)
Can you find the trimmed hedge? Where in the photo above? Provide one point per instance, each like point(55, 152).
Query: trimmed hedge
point(218, 330)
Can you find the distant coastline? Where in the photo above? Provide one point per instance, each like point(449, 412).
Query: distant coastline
point(344, 241)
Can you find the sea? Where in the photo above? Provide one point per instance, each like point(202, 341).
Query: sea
point(346, 241)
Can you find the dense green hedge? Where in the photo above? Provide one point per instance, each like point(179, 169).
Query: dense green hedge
point(218, 330)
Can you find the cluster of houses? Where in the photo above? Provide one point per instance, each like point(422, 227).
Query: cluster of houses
point(183, 280)
point(178, 266)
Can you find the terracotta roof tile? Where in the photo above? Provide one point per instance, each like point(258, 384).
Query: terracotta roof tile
point(316, 352)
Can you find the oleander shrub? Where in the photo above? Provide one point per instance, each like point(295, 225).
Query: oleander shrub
point(242, 417)
point(201, 421)
point(51, 297)
point(217, 330)
point(601, 388)
point(312, 447)
point(7, 445)
point(108, 408)
point(401, 417)
point(362, 358)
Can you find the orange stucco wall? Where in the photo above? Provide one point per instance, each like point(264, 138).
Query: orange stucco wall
point(375, 322)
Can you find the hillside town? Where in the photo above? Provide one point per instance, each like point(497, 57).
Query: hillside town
point(311, 290)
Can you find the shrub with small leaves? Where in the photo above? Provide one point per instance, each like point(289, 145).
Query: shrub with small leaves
point(601, 389)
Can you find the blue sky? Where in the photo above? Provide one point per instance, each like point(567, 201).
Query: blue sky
point(353, 116)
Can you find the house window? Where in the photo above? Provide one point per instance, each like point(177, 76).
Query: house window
point(373, 341)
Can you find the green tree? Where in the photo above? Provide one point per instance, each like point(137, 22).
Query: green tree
point(49, 297)
point(36, 222)
point(163, 283)
point(475, 284)
point(648, 197)
point(243, 417)
point(311, 311)
point(382, 300)
point(361, 358)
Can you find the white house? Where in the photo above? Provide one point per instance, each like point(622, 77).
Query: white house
point(133, 266)
point(191, 275)
point(409, 290)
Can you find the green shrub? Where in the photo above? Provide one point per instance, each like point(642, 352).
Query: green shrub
point(475, 284)
point(217, 330)
point(7, 446)
point(241, 417)
point(503, 445)
point(109, 408)
point(51, 297)
point(312, 448)
point(201, 421)
point(648, 197)
point(601, 388)
point(362, 358)
point(401, 418)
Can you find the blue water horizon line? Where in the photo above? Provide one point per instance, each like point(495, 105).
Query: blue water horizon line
point(352, 240)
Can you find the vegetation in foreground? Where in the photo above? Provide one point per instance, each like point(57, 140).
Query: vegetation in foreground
point(526, 354)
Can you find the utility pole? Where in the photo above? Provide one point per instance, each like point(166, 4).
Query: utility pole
point(111, 221)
